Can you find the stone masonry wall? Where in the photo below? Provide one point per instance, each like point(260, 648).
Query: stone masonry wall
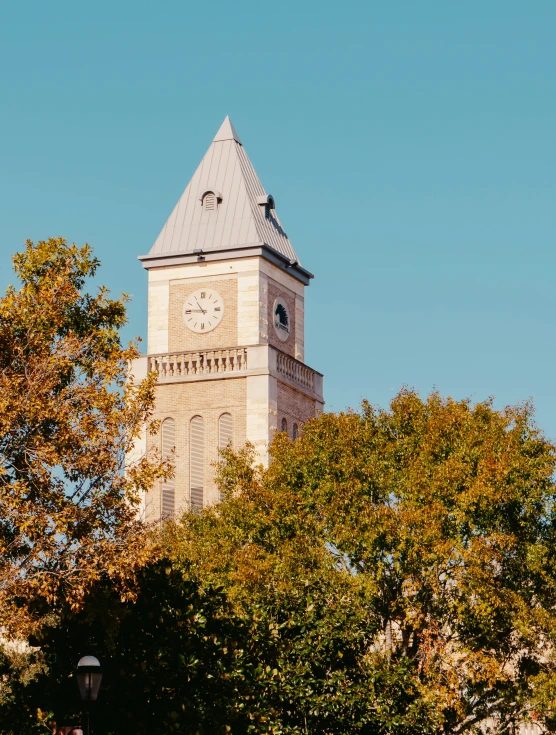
point(182, 401)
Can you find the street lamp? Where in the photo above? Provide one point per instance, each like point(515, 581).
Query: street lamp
point(89, 676)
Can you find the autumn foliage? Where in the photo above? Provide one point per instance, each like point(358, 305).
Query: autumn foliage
point(392, 572)
point(68, 417)
point(405, 559)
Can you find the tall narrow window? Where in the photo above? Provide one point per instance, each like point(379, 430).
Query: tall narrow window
point(197, 462)
point(284, 425)
point(225, 434)
point(168, 499)
point(225, 430)
point(295, 431)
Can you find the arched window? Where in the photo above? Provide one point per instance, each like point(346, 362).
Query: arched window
point(284, 426)
point(168, 499)
point(225, 430)
point(295, 431)
point(196, 462)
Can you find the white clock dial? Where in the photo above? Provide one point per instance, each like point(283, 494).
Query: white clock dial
point(281, 318)
point(203, 310)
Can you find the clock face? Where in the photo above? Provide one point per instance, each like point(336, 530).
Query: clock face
point(203, 310)
point(281, 319)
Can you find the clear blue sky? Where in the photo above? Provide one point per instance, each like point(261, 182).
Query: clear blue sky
point(411, 148)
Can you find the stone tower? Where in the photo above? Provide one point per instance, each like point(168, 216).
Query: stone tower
point(225, 326)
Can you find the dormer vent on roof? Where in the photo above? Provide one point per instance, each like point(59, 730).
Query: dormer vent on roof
point(266, 201)
point(210, 200)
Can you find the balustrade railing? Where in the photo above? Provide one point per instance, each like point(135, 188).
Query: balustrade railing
point(205, 362)
point(175, 366)
point(296, 371)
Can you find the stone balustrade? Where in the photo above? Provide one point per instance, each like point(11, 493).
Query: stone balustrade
point(295, 371)
point(233, 362)
point(205, 362)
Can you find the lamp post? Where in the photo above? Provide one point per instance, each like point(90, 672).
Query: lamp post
point(89, 676)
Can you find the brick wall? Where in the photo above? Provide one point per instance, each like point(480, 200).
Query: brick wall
point(182, 401)
point(224, 335)
point(294, 406)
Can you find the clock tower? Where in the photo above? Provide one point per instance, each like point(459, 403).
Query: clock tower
point(225, 327)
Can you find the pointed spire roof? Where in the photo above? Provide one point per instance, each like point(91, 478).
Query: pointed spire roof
point(226, 132)
point(240, 222)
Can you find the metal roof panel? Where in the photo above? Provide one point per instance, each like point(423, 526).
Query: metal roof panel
point(239, 219)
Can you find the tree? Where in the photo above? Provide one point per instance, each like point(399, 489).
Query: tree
point(69, 415)
point(419, 540)
point(173, 661)
point(310, 625)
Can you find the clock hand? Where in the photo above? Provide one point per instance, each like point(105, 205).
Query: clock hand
point(199, 305)
point(195, 311)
